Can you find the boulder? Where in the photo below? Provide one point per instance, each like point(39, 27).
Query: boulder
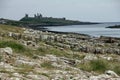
point(100, 77)
point(10, 34)
point(19, 62)
point(52, 58)
point(98, 50)
point(17, 75)
point(7, 67)
point(16, 35)
point(31, 43)
point(6, 50)
point(15, 78)
point(111, 73)
point(90, 57)
point(117, 51)
point(43, 37)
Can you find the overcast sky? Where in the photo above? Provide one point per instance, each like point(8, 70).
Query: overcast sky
point(83, 10)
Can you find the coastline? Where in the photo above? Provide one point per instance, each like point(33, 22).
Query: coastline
point(114, 27)
point(35, 50)
point(87, 35)
point(44, 29)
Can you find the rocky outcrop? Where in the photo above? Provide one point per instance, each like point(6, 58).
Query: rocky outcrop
point(79, 50)
point(75, 42)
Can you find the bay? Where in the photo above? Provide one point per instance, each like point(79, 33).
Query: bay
point(94, 30)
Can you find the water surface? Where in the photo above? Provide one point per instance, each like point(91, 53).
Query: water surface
point(93, 30)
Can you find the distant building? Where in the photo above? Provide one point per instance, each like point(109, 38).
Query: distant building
point(39, 15)
point(35, 16)
point(64, 18)
point(26, 16)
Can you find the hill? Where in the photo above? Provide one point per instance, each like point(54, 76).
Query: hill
point(39, 20)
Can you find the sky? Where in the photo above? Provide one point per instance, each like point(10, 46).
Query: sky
point(82, 10)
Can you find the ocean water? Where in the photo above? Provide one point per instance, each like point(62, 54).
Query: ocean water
point(94, 30)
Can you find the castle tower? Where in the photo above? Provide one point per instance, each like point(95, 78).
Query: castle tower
point(35, 16)
point(26, 16)
point(39, 15)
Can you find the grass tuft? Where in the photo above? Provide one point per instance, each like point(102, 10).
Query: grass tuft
point(24, 68)
point(14, 45)
point(47, 65)
point(99, 66)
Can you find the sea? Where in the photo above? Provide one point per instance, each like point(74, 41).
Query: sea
point(94, 30)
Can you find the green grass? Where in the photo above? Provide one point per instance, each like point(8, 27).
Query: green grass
point(17, 48)
point(9, 28)
point(47, 65)
point(14, 45)
point(24, 68)
point(117, 69)
point(99, 66)
point(42, 49)
point(53, 51)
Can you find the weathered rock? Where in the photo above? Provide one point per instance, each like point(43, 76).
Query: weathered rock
point(19, 62)
point(111, 73)
point(7, 67)
point(98, 50)
point(43, 37)
point(52, 58)
point(37, 77)
point(69, 61)
point(17, 75)
point(30, 43)
point(4, 76)
point(10, 34)
point(8, 50)
point(6, 54)
point(16, 36)
point(100, 77)
point(15, 78)
point(106, 57)
point(105, 76)
point(90, 57)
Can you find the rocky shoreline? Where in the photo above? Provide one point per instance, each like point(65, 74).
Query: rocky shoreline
point(116, 26)
point(27, 54)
